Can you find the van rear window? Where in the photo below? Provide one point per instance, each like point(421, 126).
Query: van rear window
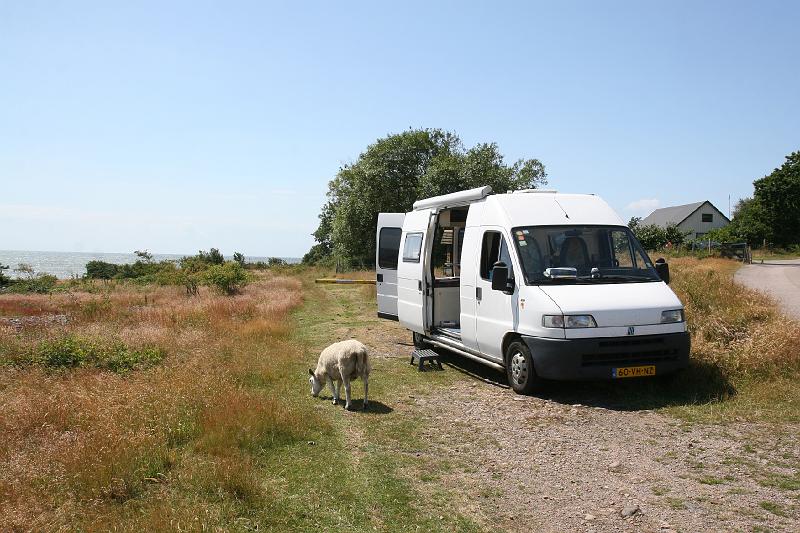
point(412, 248)
point(389, 248)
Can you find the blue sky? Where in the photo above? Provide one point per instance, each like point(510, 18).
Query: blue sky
point(176, 126)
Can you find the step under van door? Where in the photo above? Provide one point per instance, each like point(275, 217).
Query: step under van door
point(387, 254)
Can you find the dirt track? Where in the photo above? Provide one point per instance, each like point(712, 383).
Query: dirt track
point(778, 278)
point(566, 460)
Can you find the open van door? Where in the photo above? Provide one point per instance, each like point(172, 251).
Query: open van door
point(413, 283)
point(387, 253)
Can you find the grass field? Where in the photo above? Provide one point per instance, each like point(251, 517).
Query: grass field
point(148, 409)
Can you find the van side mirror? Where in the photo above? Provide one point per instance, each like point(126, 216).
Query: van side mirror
point(500, 281)
point(662, 269)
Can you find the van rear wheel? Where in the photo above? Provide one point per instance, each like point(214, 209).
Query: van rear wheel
point(519, 368)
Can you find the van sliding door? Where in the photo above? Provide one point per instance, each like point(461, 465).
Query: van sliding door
point(413, 280)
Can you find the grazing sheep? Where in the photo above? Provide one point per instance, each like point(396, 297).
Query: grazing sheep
point(339, 363)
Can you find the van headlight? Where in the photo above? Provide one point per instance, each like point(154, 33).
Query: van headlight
point(672, 316)
point(568, 321)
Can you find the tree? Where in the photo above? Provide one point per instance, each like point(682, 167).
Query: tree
point(101, 270)
point(4, 280)
point(634, 222)
point(239, 258)
point(396, 171)
point(778, 196)
point(750, 223)
point(212, 257)
point(144, 256)
point(26, 269)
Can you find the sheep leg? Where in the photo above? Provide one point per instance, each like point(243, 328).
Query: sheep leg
point(366, 390)
point(347, 393)
point(335, 392)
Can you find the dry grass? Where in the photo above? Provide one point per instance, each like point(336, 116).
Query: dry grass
point(734, 328)
point(78, 444)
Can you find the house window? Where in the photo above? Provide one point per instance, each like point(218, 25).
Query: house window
point(412, 248)
point(708, 217)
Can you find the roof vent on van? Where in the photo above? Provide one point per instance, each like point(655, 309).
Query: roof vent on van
point(528, 191)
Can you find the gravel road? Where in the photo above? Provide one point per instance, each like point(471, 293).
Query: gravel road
point(778, 278)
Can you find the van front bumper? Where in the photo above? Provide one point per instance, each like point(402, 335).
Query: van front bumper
point(596, 358)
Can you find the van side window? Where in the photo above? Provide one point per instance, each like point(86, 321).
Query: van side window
point(412, 248)
point(494, 249)
point(388, 247)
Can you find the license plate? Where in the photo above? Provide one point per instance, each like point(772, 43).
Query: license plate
point(633, 371)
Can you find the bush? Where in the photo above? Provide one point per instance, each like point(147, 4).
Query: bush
point(228, 277)
point(72, 352)
point(40, 284)
point(276, 261)
point(653, 237)
point(212, 257)
point(4, 280)
point(101, 270)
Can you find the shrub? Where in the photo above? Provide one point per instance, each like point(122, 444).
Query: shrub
point(101, 270)
point(40, 284)
point(228, 277)
point(4, 280)
point(276, 261)
point(71, 352)
point(239, 258)
point(212, 257)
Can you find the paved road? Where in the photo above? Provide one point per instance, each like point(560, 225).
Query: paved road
point(778, 278)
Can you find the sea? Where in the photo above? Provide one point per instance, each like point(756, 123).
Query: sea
point(66, 265)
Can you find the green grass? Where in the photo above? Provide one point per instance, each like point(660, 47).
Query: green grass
point(356, 476)
point(773, 508)
point(711, 480)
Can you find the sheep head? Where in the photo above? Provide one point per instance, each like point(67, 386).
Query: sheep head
point(316, 384)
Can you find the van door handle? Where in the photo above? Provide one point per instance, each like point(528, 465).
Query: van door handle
point(380, 278)
point(419, 285)
point(478, 293)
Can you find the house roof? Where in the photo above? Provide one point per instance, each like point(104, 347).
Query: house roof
point(675, 214)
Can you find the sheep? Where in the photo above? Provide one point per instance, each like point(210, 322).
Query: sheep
point(339, 363)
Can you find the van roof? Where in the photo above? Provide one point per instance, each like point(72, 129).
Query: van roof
point(530, 207)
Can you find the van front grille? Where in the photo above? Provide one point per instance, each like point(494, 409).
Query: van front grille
point(634, 351)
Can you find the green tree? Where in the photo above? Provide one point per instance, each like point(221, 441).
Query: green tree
point(212, 257)
point(778, 198)
point(4, 280)
point(750, 223)
point(144, 256)
point(239, 258)
point(397, 170)
point(25, 269)
point(101, 270)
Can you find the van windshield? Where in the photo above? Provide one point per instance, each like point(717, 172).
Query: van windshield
point(600, 254)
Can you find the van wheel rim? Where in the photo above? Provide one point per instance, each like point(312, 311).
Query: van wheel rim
point(519, 368)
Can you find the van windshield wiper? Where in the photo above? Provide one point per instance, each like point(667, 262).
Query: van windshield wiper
point(616, 277)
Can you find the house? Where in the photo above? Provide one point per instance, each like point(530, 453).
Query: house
point(697, 219)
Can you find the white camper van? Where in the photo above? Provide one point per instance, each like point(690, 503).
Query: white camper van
point(540, 284)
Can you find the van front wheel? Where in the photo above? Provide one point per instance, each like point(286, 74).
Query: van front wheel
point(519, 368)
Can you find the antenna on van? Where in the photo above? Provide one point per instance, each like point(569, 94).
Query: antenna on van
point(562, 208)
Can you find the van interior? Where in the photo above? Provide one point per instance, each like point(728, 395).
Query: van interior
point(446, 270)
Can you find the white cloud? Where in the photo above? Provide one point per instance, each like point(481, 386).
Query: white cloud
point(644, 206)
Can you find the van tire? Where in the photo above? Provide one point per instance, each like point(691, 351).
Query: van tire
point(420, 342)
point(519, 368)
